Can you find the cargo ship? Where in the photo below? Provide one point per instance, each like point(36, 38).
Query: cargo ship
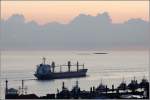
point(47, 72)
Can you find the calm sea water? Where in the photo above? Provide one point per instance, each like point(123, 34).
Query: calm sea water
point(109, 68)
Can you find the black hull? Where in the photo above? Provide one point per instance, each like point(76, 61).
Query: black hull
point(61, 75)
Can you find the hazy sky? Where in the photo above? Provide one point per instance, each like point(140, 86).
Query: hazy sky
point(64, 11)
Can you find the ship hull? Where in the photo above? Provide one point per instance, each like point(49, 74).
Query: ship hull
point(61, 75)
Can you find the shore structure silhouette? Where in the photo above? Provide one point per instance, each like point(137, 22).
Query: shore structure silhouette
point(133, 90)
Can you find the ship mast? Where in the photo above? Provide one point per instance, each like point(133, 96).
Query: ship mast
point(77, 66)
point(69, 65)
point(53, 66)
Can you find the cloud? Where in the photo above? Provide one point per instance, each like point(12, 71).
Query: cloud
point(83, 32)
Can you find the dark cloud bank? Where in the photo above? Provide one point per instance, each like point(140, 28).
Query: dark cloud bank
point(83, 32)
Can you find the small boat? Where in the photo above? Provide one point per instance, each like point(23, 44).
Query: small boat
point(47, 72)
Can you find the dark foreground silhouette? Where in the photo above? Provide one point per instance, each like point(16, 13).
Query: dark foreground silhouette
point(123, 91)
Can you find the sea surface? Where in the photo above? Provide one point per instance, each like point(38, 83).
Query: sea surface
point(111, 68)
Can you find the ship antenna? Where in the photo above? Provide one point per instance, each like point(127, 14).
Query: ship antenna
point(83, 66)
point(44, 59)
